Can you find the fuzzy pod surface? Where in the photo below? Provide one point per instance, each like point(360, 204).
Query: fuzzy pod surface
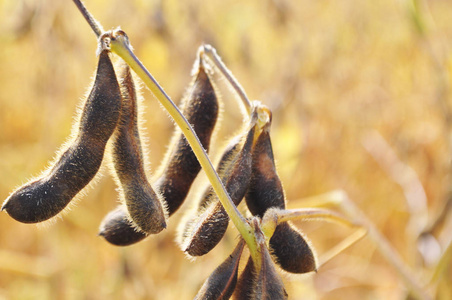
point(143, 203)
point(118, 230)
point(200, 108)
point(293, 253)
point(203, 232)
point(221, 283)
point(181, 165)
point(48, 195)
point(260, 284)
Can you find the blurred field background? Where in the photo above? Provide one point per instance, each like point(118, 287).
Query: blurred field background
point(360, 93)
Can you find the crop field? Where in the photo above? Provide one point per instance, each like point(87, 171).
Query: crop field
point(361, 100)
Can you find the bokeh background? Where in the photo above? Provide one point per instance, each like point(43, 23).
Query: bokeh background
point(360, 93)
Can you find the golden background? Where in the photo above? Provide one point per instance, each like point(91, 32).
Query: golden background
point(360, 93)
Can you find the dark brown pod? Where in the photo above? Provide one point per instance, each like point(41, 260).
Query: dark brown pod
point(118, 230)
point(200, 108)
point(245, 283)
point(143, 203)
point(221, 283)
point(265, 190)
point(263, 284)
point(223, 169)
point(268, 284)
point(202, 233)
point(291, 250)
point(46, 196)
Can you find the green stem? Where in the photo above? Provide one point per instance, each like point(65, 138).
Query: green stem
point(120, 45)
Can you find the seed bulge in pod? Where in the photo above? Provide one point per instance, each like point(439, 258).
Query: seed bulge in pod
point(265, 189)
point(118, 230)
point(48, 195)
point(143, 203)
point(200, 108)
point(292, 251)
point(207, 228)
point(181, 166)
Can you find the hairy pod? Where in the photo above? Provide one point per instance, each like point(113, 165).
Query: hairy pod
point(143, 203)
point(118, 230)
point(264, 283)
point(202, 233)
point(291, 250)
point(244, 287)
point(46, 196)
point(221, 283)
point(265, 190)
point(200, 108)
point(223, 169)
point(268, 284)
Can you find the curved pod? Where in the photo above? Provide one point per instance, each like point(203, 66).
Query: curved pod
point(46, 196)
point(293, 253)
point(143, 203)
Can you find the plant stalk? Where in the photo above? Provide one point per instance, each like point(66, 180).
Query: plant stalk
point(212, 56)
point(95, 25)
point(120, 46)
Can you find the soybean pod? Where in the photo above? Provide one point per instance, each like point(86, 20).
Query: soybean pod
point(204, 231)
point(180, 168)
point(143, 203)
point(221, 283)
point(46, 196)
point(293, 253)
point(118, 230)
point(263, 284)
point(200, 109)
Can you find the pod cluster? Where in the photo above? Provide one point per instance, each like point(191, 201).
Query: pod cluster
point(258, 183)
point(109, 123)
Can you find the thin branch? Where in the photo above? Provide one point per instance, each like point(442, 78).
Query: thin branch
point(312, 214)
point(95, 25)
point(120, 46)
point(346, 243)
point(212, 56)
point(275, 216)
